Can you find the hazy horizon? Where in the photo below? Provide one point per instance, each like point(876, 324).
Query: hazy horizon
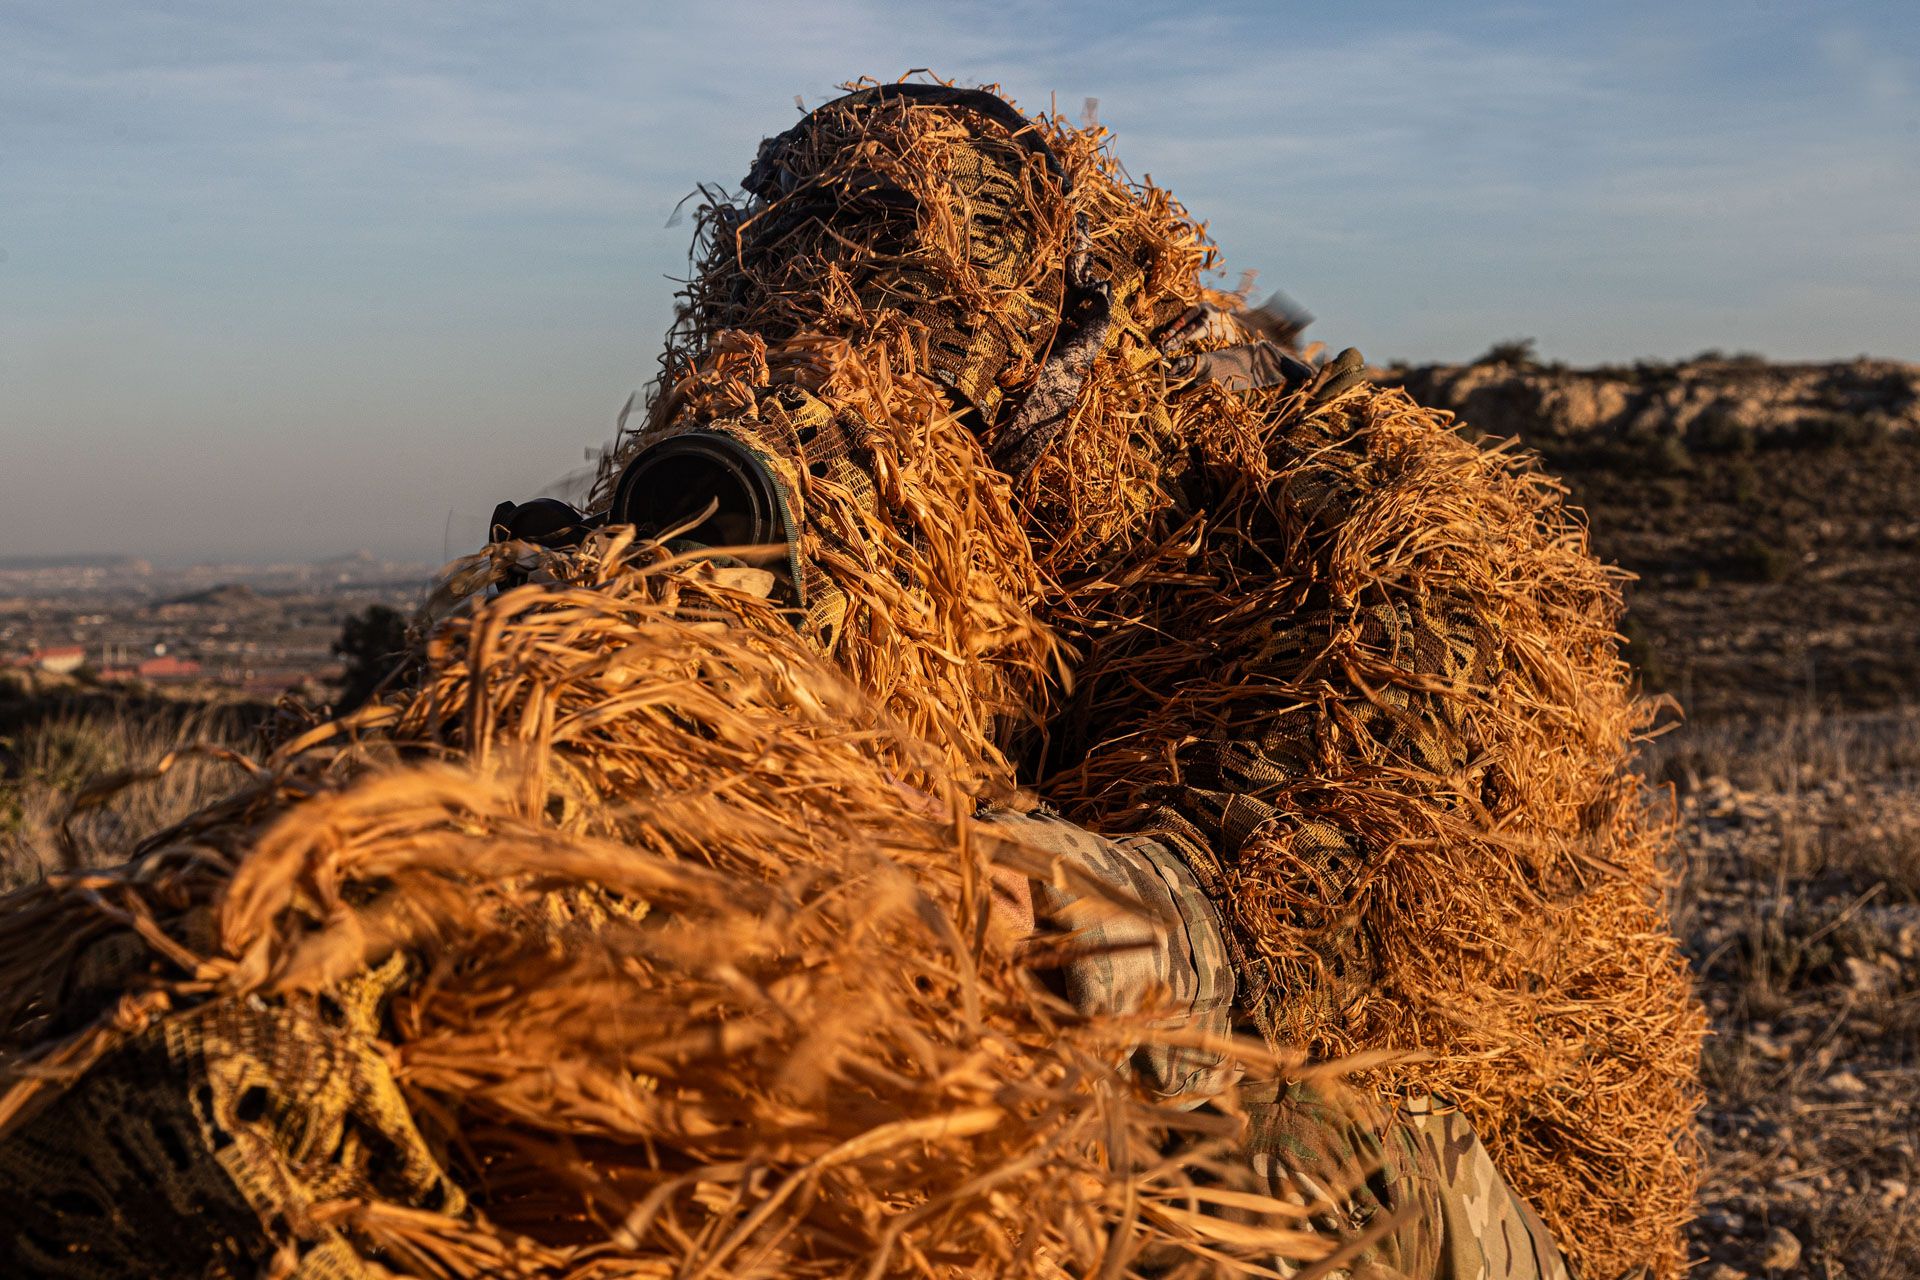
point(280, 284)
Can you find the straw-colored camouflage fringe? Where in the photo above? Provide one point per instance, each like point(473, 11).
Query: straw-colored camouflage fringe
point(633, 942)
point(1365, 673)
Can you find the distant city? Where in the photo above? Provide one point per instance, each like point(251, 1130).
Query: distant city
point(256, 629)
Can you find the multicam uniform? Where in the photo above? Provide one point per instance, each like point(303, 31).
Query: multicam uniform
point(1433, 1206)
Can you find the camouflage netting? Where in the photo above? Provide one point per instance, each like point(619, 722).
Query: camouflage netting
point(633, 942)
point(1363, 673)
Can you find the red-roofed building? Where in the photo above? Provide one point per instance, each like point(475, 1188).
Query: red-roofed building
point(62, 660)
point(168, 668)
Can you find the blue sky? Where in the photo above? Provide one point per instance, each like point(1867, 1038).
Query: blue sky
point(288, 280)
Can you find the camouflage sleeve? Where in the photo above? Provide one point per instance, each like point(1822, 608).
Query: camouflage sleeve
point(1431, 1206)
point(1173, 958)
point(1488, 1230)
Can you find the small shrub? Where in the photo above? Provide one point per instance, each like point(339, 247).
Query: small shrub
point(1664, 455)
point(1667, 491)
point(1641, 654)
point(1835, 431)
point(1756, 559)
point(1514, 353)
point(1715, 431)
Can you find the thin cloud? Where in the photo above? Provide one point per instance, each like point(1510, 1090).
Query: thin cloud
point(286, 243)
point(1882, 75)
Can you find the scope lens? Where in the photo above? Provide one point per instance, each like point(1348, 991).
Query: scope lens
point(674, 481)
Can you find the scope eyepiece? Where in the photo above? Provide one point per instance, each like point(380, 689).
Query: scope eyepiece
point(546, 522)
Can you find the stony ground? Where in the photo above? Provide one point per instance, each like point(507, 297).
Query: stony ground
point(1799, 903)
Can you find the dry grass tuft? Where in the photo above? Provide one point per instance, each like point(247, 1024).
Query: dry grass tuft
point(51, 756)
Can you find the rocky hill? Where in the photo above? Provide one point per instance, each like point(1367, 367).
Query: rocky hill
point(1710, 404)
point(1768, 510)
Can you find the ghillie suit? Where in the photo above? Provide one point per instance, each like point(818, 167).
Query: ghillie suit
point(631, 942)
point(1060, 521)
point(1362, 673)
